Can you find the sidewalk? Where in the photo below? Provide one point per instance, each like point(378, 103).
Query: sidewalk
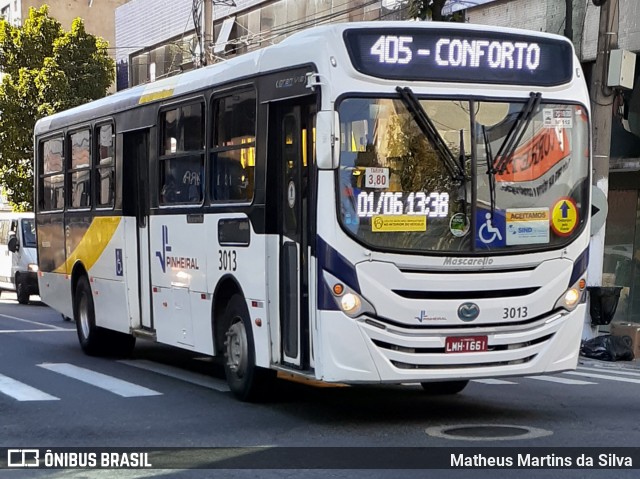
point(635, 364)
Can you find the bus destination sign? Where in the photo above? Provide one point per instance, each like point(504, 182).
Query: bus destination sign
point(460, 56)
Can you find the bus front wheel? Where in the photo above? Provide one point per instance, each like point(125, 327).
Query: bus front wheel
point(444, 388)
point(247, 381)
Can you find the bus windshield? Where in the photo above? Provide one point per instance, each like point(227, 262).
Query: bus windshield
point(521, 177)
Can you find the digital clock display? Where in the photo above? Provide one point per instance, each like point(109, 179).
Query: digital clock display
point(433, 205)
point(460, 56)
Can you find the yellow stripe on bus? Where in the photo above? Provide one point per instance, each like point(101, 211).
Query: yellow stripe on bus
point(93, 243)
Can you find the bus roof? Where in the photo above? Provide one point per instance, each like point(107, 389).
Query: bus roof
point(313, 45)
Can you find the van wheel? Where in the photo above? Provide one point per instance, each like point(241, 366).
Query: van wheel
point(247, 381)
point(21, 291)
point(92, 339)
point(444, 388)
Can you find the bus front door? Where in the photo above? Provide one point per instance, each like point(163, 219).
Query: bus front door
point(295, 121)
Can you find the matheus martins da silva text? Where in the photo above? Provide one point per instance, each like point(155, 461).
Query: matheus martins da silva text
point(548, 460)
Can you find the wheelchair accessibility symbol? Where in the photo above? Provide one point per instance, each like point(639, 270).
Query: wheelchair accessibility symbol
point(487, 232)
point(490, 231)
point(119, 265)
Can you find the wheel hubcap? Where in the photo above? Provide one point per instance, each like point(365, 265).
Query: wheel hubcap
point(237, 348)
point(84, 316)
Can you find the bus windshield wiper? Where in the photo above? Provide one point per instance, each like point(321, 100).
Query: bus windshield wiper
point(499, 163)
point(505, 154)
point(431, 132)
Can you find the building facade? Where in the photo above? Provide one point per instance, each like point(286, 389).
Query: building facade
point(98, 15)
point(177, 35)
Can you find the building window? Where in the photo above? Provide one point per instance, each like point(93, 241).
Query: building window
point(232, 157)
point(182, 155)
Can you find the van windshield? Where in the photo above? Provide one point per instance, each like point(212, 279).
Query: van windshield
point(28, 233)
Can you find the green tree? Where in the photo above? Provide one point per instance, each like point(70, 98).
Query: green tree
point(432, 9)
point(45, 70)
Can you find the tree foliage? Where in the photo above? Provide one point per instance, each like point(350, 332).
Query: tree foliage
point(45, 70)
point(432, 9)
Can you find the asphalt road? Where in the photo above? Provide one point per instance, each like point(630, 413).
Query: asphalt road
point(53, 396)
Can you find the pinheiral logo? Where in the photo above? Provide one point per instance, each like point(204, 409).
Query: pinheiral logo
point(166, 260)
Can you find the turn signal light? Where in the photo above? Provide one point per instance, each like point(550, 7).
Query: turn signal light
point(338, 289)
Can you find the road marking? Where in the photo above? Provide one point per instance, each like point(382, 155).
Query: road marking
point(177, 373)
point(609, 370)
point(109, 383)
point(23, 392)
point(602, 376)
point(556, 379)
point(493, 381)
point(30, 322)
point(60, 330)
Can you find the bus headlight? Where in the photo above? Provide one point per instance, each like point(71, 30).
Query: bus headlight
point(32, 267)
point(350, 302)
point(572, 296)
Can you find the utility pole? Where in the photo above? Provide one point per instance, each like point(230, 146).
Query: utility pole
point(601, 114)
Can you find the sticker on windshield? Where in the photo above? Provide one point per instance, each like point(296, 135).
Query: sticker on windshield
point(396, 224)
point(527, 226)
point(376, 178)
point(557, 118)
point(564, 216)
point(459, 225)
point(490, 229)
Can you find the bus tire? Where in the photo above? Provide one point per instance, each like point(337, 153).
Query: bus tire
point(92, 338)
point(444, 388)
point(22, 292)
point(247, 381)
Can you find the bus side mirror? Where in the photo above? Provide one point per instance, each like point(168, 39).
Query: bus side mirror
point(327, 140)
point(13, 244)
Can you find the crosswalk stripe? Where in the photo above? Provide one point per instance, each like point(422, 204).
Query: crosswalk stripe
point(493, 381)
point(609, 370)
point(109, 383)
point(556, 379)
point(603, 376)
point(23, 392)
point(177, 373)
point(12, 331)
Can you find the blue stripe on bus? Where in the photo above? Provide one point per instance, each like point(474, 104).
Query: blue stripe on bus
point(331, 261)
point(579, 266)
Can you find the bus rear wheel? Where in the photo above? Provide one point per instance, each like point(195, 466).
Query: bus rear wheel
point(96, 341)
point(444, 388)
point(247, 381)
point(92, 339)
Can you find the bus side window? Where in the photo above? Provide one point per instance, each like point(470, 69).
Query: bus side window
point(104, 182)
point(232, 158)
point(51, 190)
point(182, 161)
point(80, 170)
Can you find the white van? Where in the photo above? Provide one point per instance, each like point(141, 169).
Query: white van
point(18, 255)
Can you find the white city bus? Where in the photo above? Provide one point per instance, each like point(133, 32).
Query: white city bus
point(362, 203)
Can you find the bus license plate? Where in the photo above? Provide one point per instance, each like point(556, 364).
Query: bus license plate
point(467, 344)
